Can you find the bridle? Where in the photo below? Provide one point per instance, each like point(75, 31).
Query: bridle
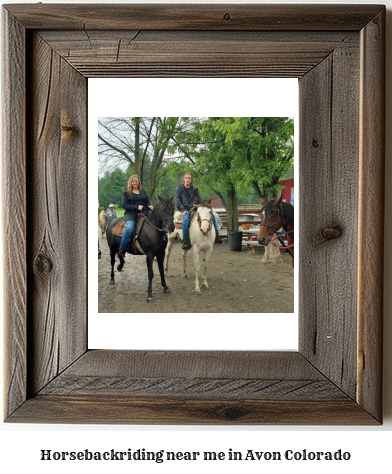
point(163, 218)
point(273, 225)
point(200, 220)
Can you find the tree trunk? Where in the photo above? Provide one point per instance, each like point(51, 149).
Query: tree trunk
point(137, 169)
point(272, 254)
point(232, 209)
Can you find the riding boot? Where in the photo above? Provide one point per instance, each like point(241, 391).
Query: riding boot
point(218, 240)
point(187, 243)
point(121, 253)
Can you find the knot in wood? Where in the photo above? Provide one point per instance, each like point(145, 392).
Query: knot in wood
point(232, 413)
point(329, 232)
point(43, 264)
point(68, 128)
point(315, 143)
point(227, 16)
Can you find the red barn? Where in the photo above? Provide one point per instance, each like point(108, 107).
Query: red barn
point(287, 189)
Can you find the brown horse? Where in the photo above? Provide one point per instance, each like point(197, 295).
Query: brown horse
point(276, 214)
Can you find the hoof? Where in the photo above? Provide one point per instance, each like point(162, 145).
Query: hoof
point(119, 268)
point(198, 292)
point(186, 275)
point(112, 282)
point(150, 299)
point(166, 290)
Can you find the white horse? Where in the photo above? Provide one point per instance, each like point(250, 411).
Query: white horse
point(102, 221)
point(171, 238)
point(177, 235)
point(202, 237)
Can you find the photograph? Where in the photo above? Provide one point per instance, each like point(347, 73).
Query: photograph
point(196, 214)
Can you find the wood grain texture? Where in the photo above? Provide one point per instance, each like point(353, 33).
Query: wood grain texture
point(208, 364)
point(206, 374)
point(329, 196)
point(194, 17)
point(103, 409)
point(57, 251)
point(14, 222)
point(128, 53)
point(338, 52)
point(371, 216)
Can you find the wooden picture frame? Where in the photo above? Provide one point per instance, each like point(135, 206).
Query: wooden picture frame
point(338, 54)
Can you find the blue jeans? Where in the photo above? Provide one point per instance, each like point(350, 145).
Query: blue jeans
point(129, 227)
point(185, 225)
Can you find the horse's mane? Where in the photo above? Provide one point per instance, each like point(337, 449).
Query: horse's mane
point(205, 203)
point(154, 217)
point(288, 210)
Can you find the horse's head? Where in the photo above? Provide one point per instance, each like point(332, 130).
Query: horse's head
point(204, 215)
point(166, 212)
point(271, 220)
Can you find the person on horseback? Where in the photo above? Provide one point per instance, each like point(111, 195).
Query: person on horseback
point(135, 201)
point(186, 196)
point(111, 214)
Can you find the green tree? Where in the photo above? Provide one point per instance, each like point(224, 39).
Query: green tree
point(111, 187)
point(144, 145)
point(238, 155)
point(263, 151)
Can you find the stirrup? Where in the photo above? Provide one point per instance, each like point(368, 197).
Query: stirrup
point(186, 245)
point(218, 240)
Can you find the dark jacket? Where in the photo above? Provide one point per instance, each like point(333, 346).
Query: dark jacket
point(183, 202)
point(131, 202)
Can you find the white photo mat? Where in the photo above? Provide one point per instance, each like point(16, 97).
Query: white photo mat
point(239, 97)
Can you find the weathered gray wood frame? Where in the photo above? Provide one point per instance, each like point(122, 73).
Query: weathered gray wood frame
point(337, 52)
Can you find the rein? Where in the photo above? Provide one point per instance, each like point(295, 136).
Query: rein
point(280, 235)
point(152, 225)
point(272, 226)
point(164, 219)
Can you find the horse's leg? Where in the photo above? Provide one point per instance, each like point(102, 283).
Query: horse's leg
point(291, 250)
point(167, 255)
point(112, 262)
point(160, 260)
point(184, 263)
point(196, 255)
point(206, 257)
point(150, 260)
point(121, 264)
point(290, 241)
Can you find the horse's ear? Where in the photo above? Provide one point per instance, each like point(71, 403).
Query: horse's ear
point(209, 200)
point(262, 201)
point(197, 201)
point(160, 198)
point(171, 197)
point(279, 200)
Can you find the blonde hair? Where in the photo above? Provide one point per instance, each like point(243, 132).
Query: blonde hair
point(129, 187)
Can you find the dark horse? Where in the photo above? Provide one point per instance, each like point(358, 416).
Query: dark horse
point(274, 215)
point(152, 239)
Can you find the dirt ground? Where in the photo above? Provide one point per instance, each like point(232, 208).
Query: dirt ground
point(238, 283)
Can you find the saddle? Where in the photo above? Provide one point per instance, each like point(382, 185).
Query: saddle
point(134, 246)
point(178, 220)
